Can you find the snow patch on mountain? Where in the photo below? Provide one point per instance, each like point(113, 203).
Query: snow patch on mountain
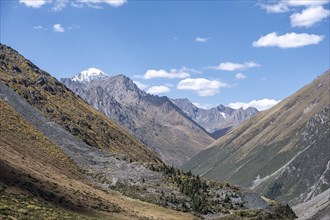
point(89, 75)
point(223, 115)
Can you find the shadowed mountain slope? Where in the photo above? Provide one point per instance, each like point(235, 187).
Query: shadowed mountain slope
point(155, 120)
point(282, 152)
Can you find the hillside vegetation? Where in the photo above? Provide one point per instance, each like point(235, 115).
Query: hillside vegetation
point(282, 152)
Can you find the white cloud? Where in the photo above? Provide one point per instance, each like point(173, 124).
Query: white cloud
point(77, 5)
point(34, 3)
point(202, 86)
point(38, 27)
point(204, 106)
point(280, 7)
point(285, 5)
point(174, 73)
point(228, 66)
point(201, 39)
point(306, 2)
point(309, 16)
point(261, 104)
point(158, 89)
point(190, 70)
point(93, 3)
point(141, 85)
point(58, 28)
point(289, 40)
point(240, 76)
point(59, 5)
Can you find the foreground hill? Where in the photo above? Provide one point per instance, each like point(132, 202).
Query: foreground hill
point(62, 106)
point(218, 120)
point(282, 152)
point(38, 180)
point(155, 120)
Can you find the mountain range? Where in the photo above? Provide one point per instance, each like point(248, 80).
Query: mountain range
point(176, 132)
point(154, 120)
point(282, 152)
point(62, 159)
point(217, 121)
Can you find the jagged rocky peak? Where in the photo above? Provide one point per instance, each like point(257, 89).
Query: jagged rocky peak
point(216, 118)
point(186, 106)
point(126, 83)
point(88, 75)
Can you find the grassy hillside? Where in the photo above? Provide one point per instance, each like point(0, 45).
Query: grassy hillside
point(282, 152)
point(62, 106)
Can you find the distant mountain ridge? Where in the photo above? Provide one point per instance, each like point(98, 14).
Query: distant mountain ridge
point(155, 120)
point(218, 120)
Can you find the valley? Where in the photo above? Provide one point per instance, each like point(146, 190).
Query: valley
point(164, 110)
point(53, 167)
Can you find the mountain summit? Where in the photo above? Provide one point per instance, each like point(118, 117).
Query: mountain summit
point(89, 75)
point(155, 120)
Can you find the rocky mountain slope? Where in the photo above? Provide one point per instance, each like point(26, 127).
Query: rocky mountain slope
point(217, 121)
point(155, 120)
point(318, 208)
point(282, 152)
point(62, 106)
point(47, 171)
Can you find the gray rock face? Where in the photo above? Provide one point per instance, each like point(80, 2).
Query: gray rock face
point(155, 120)
point(218, 120)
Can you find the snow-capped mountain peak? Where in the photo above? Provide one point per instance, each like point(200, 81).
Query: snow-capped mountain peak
point(89, 75)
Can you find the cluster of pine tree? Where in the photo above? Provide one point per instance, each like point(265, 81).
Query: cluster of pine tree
point(194, 187)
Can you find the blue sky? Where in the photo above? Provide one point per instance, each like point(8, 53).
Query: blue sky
point(211, 52)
